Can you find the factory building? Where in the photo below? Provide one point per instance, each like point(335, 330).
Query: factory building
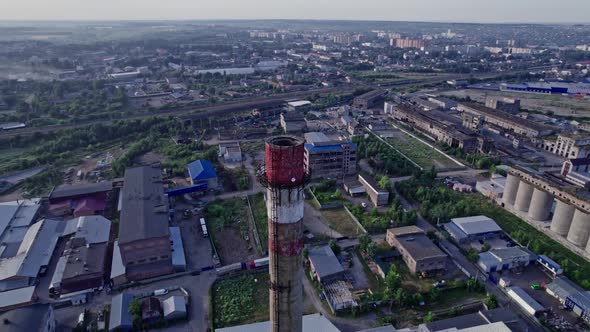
point(443, 102)
point(82, 264)
point(525, 301)
point(500, 259)
point(28, 254)
point(532, 192)
point(548, 88)
point(144, 237)
point(378, 196)
point(80, 199)
point(509, 122)
point(509, 105)
point(34, 318)
point(369, 99)
point(292, 122)
point(418, 252)
point(476, 228)
point(497, 320)
point(571, 295)
point(325, 158)
point(324, 264)
point(438, 126)
point(572, 146)
point(492, 188)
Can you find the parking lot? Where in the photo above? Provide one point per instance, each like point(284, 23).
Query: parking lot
point(197, 249)
point(535, 274)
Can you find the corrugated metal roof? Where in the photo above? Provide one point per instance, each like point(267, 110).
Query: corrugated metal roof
point(144, 210)
point(31, 318)
point(120, 316)
point(323, 148)
point(563, 287)
point(16, 296)
point(518, 292)
point(325, 261)
point(95, 229)
point(35, 250)
point(70, 190)
point(117, 267)
point(201, 170)
point(173, 304)
point(178, 258)
point(476, 225)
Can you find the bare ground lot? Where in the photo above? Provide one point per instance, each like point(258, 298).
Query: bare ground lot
point(231, 231)
point(341, 222)
point(560, 105)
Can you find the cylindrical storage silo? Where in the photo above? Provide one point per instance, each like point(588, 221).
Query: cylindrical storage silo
point(562, 218)
point(540, 207)
point(523, 197)
point(580, 229)
point(511, 188)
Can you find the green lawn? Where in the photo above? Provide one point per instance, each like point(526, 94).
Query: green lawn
point(340, 221)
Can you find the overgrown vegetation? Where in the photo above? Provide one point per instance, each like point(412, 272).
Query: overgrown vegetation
point(260, 218)
point(240, 300)
point(376, 222)
point(326, 192)
point(382, 157)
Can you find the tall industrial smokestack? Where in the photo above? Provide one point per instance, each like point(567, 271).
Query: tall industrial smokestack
point(284, 177)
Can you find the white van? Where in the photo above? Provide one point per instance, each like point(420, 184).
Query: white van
point(160, 292)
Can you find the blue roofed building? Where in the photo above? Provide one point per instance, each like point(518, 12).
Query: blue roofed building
point(120, 318)
point(325, 158)
point(202, 171)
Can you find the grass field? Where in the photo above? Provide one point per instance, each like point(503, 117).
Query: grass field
point(420, 153)
point(240, 300)
point(340, 221)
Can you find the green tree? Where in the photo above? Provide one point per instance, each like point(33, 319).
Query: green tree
point(491, 301)
point(429, 318)
point(434, 294)
point(384, 183)
point(335, 247)
point(135, 311)
point(364, 241)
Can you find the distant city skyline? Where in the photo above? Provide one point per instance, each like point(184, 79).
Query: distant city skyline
point(476, 11)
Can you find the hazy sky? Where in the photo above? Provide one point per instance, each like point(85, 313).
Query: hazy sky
point(392, 10)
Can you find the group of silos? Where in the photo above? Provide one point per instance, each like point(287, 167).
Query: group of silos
point(567, 221)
